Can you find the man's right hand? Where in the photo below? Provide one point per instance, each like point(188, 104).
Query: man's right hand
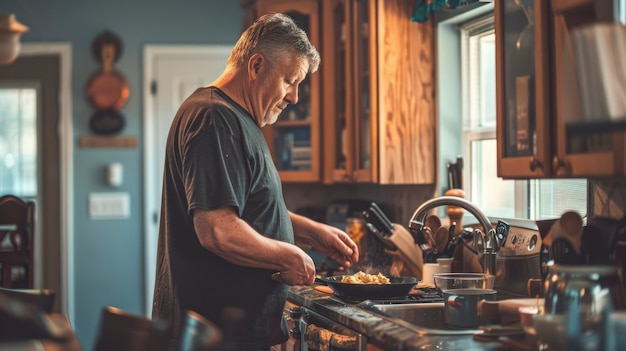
point(300, 270)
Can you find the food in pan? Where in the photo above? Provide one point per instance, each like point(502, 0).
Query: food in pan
point(364, 278)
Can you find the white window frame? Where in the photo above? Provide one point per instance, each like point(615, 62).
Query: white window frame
point(471, 134)
point(522, 188)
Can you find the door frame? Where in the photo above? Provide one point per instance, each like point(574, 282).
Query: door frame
point(152, 211)
point(66, 136)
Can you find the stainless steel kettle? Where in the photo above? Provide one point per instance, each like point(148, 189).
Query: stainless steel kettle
point(592, 286)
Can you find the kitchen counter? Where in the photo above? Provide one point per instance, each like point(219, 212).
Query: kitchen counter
point(386, 333)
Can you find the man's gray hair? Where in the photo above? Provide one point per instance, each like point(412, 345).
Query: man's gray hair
point(275, 36)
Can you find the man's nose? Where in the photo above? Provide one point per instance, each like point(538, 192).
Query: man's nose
point(292, 95)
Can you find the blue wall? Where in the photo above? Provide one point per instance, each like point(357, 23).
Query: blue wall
point(108, 255)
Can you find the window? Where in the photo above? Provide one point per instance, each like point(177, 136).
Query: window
point(18, 141)
point(532, 199)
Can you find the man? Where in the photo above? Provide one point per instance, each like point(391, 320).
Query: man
point(226, 238)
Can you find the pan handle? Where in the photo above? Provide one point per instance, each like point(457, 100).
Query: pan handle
point(320, 281)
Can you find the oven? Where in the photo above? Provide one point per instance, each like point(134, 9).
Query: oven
point(320, 333)
point(310, 330)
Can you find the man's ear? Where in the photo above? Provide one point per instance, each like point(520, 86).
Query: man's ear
point(255, 64)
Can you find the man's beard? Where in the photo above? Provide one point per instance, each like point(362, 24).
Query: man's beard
point(271, 117)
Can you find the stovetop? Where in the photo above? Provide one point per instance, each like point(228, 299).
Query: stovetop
point(421, 295)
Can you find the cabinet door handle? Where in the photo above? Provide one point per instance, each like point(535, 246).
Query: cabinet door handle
point(560, 167)
point(535, 164)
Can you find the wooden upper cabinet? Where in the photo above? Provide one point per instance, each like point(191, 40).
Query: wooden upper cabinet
point(378, 93)
point(375, 91)
point(538, 94)
point(581, 149)
point(294, 140)
point(523, 89)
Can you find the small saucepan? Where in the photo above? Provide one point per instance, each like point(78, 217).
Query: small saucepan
point(398, 286)
point(461, 306)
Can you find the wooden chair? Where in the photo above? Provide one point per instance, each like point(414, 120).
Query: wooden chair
point(42, 299)
point(123, 331)
point(199, 334)
point(22, 321)
point(17, 224)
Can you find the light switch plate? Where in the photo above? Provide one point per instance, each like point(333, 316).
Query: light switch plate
point(109, 205)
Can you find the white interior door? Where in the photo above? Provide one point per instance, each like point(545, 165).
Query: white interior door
point(171, 74)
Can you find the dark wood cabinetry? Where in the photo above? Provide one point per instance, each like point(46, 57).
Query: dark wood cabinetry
point(369, 113)
point(294, 140)
point(378, 96)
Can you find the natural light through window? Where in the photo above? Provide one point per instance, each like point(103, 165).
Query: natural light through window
point(18, 141)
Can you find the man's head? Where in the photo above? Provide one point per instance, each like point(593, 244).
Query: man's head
point(274, 36)
point(275, 55)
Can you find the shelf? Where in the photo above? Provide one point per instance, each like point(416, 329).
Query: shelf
point(93, 141)
point(589, 128)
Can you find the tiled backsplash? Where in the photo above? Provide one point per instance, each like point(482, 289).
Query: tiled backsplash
point(401, 200)
point(609, 198)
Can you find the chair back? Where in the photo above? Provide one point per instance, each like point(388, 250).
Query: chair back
point(123, 331)
point(17, 224)
point(199, 334)
point(42, 299)
point(23, 321)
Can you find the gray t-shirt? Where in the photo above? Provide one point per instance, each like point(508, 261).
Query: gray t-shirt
point(216, 156)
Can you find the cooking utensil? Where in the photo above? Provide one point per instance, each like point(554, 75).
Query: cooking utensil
point(107, 89)
point(433, 222)
point(507, 311)
point(572, 226)
point(441, 239)
point(106, 122)
point(384, 240)
point(408, 252)
point(591, 286)
point(398, 286)
point(373, 224)
point(451, 281)
point(387, 225)
point(426, 242)
point(374, 220)
point(455, 174)
point(563, 252)
point(460, 308)
point(599, 240)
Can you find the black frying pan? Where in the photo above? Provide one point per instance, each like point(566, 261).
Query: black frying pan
point(399, 286)
point(106, 122)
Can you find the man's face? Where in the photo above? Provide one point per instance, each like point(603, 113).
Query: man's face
point(278, 87)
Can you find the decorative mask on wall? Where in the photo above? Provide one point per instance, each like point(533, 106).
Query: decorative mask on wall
point(107, 89)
